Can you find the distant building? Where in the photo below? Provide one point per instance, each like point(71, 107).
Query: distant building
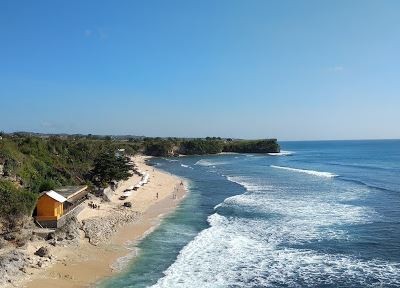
point(55, 206)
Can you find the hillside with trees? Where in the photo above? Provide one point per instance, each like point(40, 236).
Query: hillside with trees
point(30, 164)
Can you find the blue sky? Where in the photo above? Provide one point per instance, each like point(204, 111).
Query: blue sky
point(250, 69)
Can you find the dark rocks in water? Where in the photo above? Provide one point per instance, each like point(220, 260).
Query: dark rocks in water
point(128, 204)
point(42, 252)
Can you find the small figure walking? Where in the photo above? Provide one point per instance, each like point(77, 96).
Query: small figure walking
point(157, 195)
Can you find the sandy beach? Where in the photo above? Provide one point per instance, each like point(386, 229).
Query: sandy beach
point(86, 264)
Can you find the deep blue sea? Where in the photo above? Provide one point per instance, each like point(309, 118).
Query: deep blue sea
point(324, 214)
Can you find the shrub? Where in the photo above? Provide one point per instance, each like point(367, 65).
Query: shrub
point(15, 202)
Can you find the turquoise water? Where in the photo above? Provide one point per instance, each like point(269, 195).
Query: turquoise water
point(324, 214)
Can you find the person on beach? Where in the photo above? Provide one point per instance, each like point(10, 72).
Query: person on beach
point(157, 195)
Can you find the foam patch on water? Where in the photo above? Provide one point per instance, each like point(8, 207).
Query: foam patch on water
point(310, 172)
point(282, 153)
point(170, 160)
point(269, 249)
point(186, 166)
point(247, 184)
point(122, 263)
point(204, 162)
point(233, 253)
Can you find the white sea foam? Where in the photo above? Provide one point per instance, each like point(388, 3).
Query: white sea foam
point(204, 162)
point(310, 172)
point(235, 253)
point(263, 252)
point(247, 184)
point(282, 153)
point(121, 263)
point(186, 166)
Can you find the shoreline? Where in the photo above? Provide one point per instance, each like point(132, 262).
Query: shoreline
point(88, 264)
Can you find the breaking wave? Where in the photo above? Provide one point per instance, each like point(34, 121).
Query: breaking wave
point(310, 172)
point(268, 250)
point(186, 166)
point(282, 153)
point(204, 162)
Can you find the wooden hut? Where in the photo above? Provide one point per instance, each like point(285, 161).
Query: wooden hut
point(53, 206)
point(50, 206)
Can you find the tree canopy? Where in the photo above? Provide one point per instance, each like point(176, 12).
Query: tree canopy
point(15, 202)
point(109, 166)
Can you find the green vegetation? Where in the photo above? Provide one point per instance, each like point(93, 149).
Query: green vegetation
point(170, 147)
point(158, 147)
point(32, 164)
point(15, 202)
point(108, 167)
point(252, 146)
point(42, 163)
point(201, 146)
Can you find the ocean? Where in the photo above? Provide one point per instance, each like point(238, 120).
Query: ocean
point(319, 214)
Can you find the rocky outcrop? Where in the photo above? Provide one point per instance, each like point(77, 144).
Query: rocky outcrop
point(15, 265)
point(128, 204)
point(12, 266)
point(100, 229)
point(17, 232)
point(42, 252)
point(69, 232)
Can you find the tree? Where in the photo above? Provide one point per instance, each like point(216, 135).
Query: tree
point(108, 166)
point(15, 202)
point(159, 148)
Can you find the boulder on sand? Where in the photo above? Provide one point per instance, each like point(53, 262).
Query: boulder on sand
point(42, 252)
point(128, 204)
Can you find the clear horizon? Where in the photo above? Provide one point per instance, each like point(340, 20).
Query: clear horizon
point(288, 70)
